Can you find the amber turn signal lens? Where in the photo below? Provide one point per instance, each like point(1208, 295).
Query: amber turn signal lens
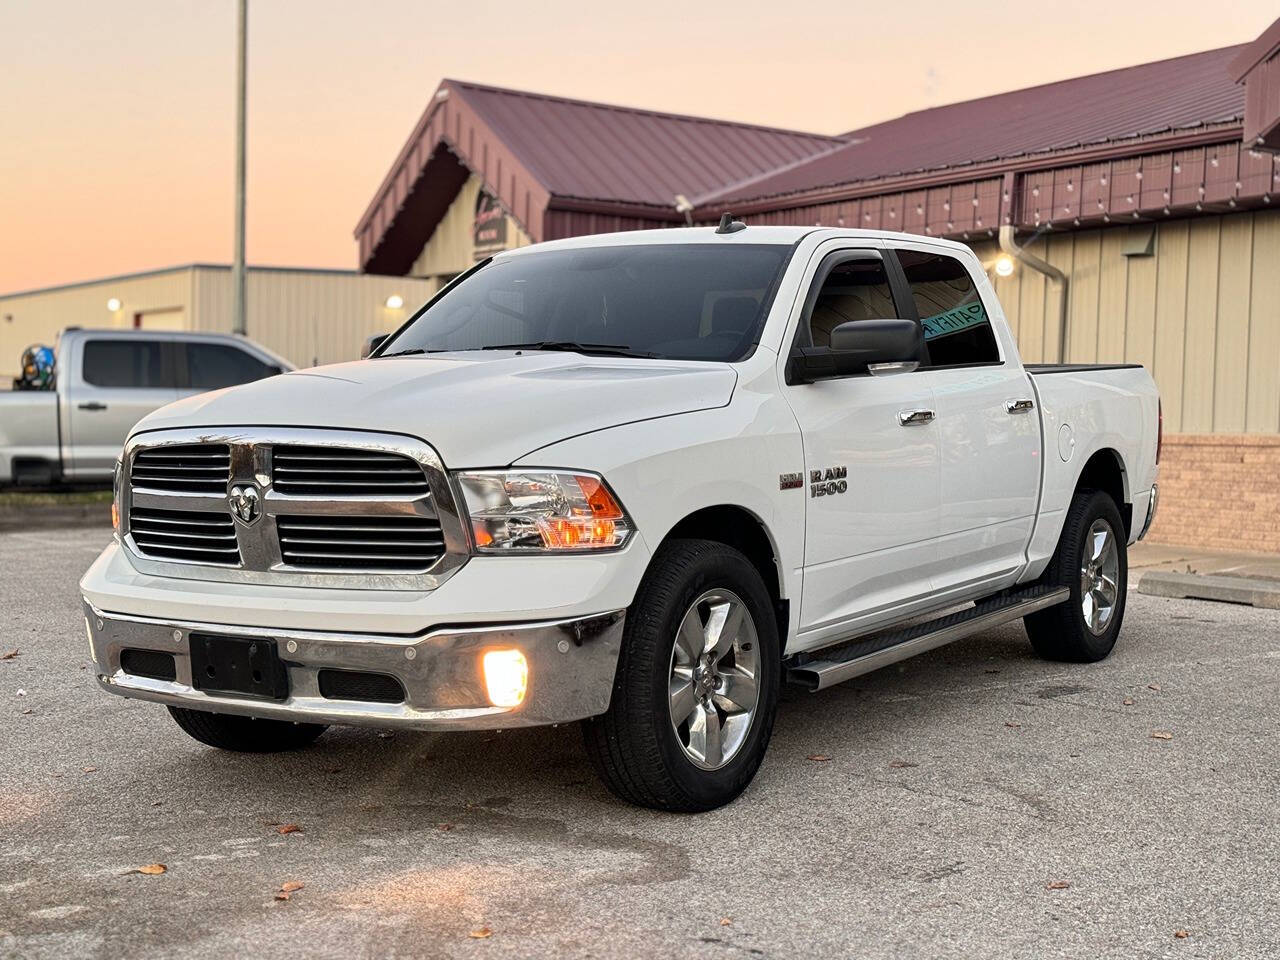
point(115, 516)
point(603, 506)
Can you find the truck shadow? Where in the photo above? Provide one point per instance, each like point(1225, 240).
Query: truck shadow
point(864, 721)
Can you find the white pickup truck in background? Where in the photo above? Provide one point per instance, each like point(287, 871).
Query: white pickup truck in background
point(637, 480)
point(106, 381)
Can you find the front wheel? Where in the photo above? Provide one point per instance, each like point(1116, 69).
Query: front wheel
point(245, 734)
point(697, 683)
point(1092, 560)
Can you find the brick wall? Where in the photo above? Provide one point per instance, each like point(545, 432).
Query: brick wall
point(1220, 491)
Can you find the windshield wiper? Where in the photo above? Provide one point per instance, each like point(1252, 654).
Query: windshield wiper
point(408, 353)
point(572, 346)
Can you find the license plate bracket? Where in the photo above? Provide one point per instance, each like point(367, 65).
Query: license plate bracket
point(244, 666)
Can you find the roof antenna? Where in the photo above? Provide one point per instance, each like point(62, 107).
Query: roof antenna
point(729, 225)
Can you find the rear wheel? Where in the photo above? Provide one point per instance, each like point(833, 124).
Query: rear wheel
point(697, 683)
point(1092, 561)
point(245, 734)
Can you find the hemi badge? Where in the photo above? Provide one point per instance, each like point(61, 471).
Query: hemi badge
point(790, 481)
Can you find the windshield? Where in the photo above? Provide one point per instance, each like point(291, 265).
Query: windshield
point(673, 301)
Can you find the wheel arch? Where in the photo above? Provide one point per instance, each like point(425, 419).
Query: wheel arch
point(737, 527)
point(1105, 470)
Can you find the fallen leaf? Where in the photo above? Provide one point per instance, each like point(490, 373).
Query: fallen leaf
point(1153, 686)
point(902, 764)
point(10, 655)
point(151, 869)
point(291, 886)
point(480, 933)
point(1181, 934)
point(90, 769)
point(1128, 701)
point(1057, 885)
point(444, 826)
point(288, 828)
point(282, 895)
point(1161, 735)
point(726, 921)
point(818, 757)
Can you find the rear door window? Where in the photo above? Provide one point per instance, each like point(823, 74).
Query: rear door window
point(211, 366)
point(126, 364)
point(956, 326)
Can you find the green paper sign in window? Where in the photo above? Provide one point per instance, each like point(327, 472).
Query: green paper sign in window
point(963, 317)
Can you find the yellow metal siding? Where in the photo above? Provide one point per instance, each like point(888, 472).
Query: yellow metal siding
point(37, 317)
point(1202, 313)
point(451, 248)
point(307, 317)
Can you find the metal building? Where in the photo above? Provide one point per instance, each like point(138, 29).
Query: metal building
point(1132, 214)
point(306, 316)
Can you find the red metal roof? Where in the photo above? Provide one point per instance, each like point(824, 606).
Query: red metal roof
point(594, 151)
point(1152, 98)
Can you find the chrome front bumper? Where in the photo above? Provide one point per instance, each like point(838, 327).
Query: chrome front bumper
point(571, 670)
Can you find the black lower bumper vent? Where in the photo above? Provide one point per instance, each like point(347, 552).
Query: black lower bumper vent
point(149, 663)
point(370, 687)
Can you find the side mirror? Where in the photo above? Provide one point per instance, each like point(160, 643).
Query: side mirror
point(372, 344)
point(856, 346)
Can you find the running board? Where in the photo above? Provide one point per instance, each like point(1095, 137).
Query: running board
point(831, 665)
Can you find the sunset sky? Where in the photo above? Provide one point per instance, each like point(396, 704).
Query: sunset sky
point(116, 118)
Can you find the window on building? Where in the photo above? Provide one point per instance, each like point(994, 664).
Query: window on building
point(211, 366)
point(853, 290)
point(124, 363)
point(956, 326)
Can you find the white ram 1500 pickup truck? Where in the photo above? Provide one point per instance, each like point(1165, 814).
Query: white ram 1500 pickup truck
point(636, 480)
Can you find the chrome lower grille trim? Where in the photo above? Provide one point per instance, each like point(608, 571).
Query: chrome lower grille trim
point(296, 507)
point(405, 544)
point(185, 535)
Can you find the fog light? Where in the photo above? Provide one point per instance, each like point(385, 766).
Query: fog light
point(506, 677)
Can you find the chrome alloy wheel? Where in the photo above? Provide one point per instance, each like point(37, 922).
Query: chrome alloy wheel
point(1099, 577)
point(713, 690)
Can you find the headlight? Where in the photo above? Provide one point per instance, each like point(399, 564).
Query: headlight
point(542, 511)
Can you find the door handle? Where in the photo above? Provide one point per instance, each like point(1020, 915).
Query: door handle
point(93, 405)
point(907, 417)
point(1019, 406)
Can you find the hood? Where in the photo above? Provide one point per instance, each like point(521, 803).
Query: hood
point(476, 409)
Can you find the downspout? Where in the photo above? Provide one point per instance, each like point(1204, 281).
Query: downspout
point(1009, 246)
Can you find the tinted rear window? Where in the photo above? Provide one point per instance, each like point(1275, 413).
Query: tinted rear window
point(125, 363)
point(675, 301)
point(214, 365)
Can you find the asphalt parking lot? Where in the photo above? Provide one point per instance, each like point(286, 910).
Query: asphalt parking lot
point(972, 802)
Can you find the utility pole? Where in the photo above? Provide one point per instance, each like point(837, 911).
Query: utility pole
point(237, 267)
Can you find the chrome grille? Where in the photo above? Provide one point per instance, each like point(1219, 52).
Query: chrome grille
point(193, 536)
point(401, 544)
point(347, 472)
point(185, 468)
point(284, 505)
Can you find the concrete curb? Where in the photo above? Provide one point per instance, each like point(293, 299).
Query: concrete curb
point(53, 517)
point(1192, 586)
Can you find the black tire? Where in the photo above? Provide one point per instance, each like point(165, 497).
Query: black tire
point(1062, 632)
point(245, 734)
point(634, 748)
